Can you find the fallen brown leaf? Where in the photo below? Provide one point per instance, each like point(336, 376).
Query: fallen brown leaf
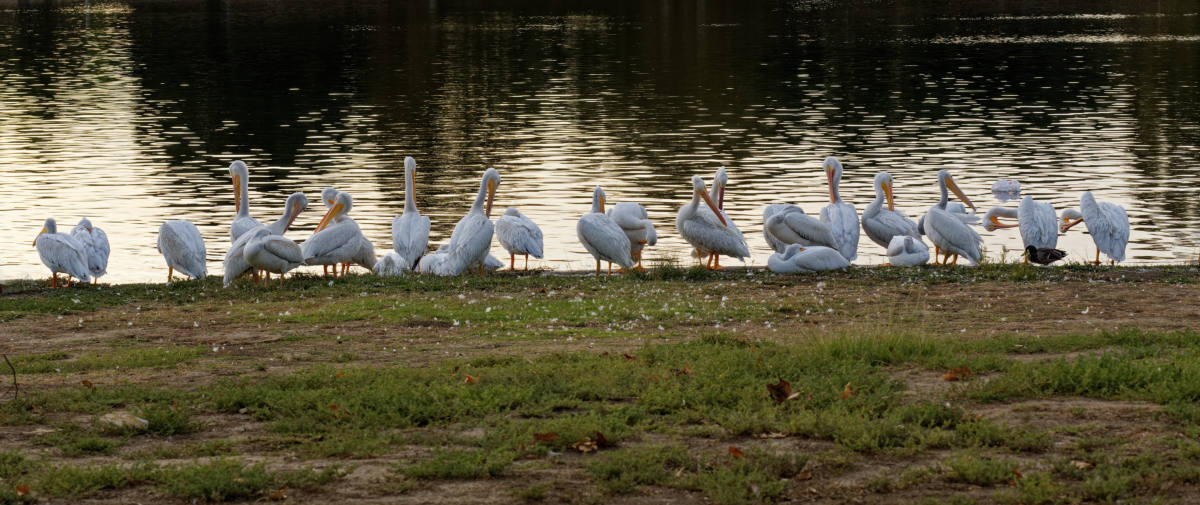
point(278, 495)
point(687, 370)
point(781, 391)
point(88, 384)
point(628, 356)
point(470, 380)
point(1082, 465)
point(847, 392)
point(956, 374)
point(22, 490)
point(735, 452)
point(545, 437)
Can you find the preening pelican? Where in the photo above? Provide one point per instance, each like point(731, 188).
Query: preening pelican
point(338, 239)
point(410, 230)
point(296, 203)
point(839, 216)
point(947, 231)
point(472, 236)
point(518, 235)
point(907, 251)
point(703, 232)
point(272, 253)
point(1037, 223)
point(797, 258)
point(1106, 222)
point(956, 209)
point(785, 224)
point(95, 247)
point(602, 237)
point(391, 264)
point(242, 222)
point(182, 246)
point(635, 222)
point(882, 224)
point(717, 194)
point(61, 253)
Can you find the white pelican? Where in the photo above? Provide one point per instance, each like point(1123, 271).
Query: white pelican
point(518, 235)
point(391, 264)
point(272, 253)
point(705, 234)
point(410, 230)
point(1106, 222)
point(472, 236)
point(95, 247)
point(61, 253)
point(1006, 189)
point(948, 231)
point(296, 203)
point(839, 216)
point(635, 222)
point(329, 196)
point(882, 224)
point(438, 262)
point(338, 239)
point(956, 209)
point(797, 258)
point(182, 246)
point(242, 222)
point(717, 194)
point(785, 224)
point(907, 251)
point(1036, 222)
point(235, 263)
point(602, 237)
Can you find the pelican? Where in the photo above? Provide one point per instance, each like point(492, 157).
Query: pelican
point(907, 251)
point(296, 203)
point(1036, 221)
point(472, 235)
point(797, 258)
point(410, 230)
point(635, 222)
point(880, 224)
point(706, 234)
point(272, 253)
point(242, 222)
point(602, 237)
point(785, 224)
point(839, 216)
point(957, 210)
point(95, 247)
point(61, 253)
point(338, 239)
point(391, 264)
point(518, 235)
point(182, 246)
point(235, 263)
point(1106, 222)
point(947, 231)
point(438, 262)
point(717, 194)
point(329, 196)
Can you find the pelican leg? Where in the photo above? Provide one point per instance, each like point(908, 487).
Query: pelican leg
point(955, 262)
point(480, 268)
point(717, 262)
point(610, 268)
point(170, 272)
point(512, 261)
point(1097, 255)
point(597, 268)
point(526, 262)
point(53, 279)
point(345, 268)
point(268, 277)
point(325, 270)
point(937, 251)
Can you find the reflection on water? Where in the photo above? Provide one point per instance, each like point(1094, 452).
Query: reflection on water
point(130, 114)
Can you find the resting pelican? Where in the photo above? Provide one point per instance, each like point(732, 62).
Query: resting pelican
point(296, 203)
point(907, 251)
point(602, 237)
point(272, 253)
point(706, 234)
point(410, 230)
point(391, 264)
point(1106, 222)
point(717, 194)
point(635, 222)
point(1036, 221)
point(438, 262)
point(839, 216)
point(947, 231)
point(61, 253)
point(882, 224)
point(329, 196)
point(472, 236)
point(518, 235)
point(338, 239)
point(182, 246)
point(95, 247)
point(242, 222)
point(785, 224)
point(797, 258)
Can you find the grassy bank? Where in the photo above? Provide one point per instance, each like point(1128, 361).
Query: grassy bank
point(1002, 384)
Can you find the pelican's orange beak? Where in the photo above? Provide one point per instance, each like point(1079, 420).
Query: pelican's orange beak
point(887, 193)
point(38, 235)
point(1067, 226)
point(601, 204)
point(721, 198)
point(712, 206)
point(491, 196)
point(333, 211)
point(958, 192)
point(997, 224)
point(829, 179)
point(237, 193)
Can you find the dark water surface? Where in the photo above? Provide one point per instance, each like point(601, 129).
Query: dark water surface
point(130, 113)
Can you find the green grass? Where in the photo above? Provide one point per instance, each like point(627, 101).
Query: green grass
point(458, 464)
point(622, 471)
point(973, 468)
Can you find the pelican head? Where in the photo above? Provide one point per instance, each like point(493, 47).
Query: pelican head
point(491, 181)
point(946, 181)
point(410, 168)
point(87, 224)
point(341, 206)
point(241, 176)
point(792, 250)
point(48, 227)
point(329, 195)
point(719, 181)
point(296, 203)
point(883, 187)
point(512, 211)
point(598, 200)
point(991, 220)
point(833, 173)
point(1070, 217)
point(698, 192)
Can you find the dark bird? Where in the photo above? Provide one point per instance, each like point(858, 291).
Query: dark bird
point(1044, 256)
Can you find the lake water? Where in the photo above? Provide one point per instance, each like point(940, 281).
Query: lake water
point(130, 113)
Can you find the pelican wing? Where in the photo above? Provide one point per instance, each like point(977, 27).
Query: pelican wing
point(881, 226)
point(810, 259)
point(98, 255)
point(1113, 234)
point(709, 236)
point(273, 253)
point(410, 236)
point(63, 254)
point(391, 264)
point(182, 246)
point(907, 251)
point(337, 243)
point(606, 241)
point(235, 263)
point(519, 235)
point(469, 243)
point(795, 227)
point(241, 225)
point(1038, 224)
point(950, 233)
point(842, 220)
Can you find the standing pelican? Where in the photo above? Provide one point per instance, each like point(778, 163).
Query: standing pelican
point(472, 235)
point(839, 216)
point(296, 203)
point(1106, 222)
point(882, 224)
point(182, 246)
point(410, 230)
point(518, 235)
point(602, 237)
point(61, 253)
point(242, 222)
point(785, 224)
point(95, 247)
point(1036, 222)
point(717, 194)
point(797, 258)
point(706, 234)
point(272, 253)
point(948, 231)
point(329, 196)
point(635, 222)
point(338, 239)
point(907, 251)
